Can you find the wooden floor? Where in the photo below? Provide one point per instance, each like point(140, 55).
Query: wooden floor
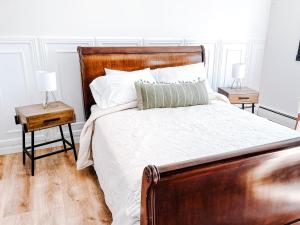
point(57, 194)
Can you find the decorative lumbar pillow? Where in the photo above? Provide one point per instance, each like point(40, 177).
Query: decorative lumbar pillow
point(170, 95)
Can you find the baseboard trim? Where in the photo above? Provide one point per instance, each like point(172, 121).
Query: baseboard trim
point(17, 148)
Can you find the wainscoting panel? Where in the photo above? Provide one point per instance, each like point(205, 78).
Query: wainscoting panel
point(163, 42)
point(108, 42)
point(18, 62)
point(20, 57)
point(60, 55)
point(255, 64)
point(231, 53)
point(211, 59)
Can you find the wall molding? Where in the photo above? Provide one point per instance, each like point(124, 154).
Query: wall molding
point(118, 42)
point(163, 41)
point(255, 63)
point(230, 53)
point(60, 54)
point(25, 50)
point(45, 41)
point(53, 49)
point(211, 52)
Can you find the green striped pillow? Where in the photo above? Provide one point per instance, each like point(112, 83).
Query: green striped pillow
point(165, 95)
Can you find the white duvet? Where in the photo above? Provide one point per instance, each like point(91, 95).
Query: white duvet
point(125, 142)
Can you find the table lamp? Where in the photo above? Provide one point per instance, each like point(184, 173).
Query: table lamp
point(238, 74)
point(46, 83)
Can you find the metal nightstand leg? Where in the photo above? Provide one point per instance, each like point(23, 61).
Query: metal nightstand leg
point(23, 144)
point(72, 141)
point(33, 146)
point(32, 153)
point(253, 106)
point(62, 137)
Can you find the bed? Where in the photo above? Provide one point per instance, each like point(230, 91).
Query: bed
point(211, 164)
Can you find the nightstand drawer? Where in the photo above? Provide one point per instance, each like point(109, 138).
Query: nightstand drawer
point(239, 99)
point(36, 117)
point(51, 120)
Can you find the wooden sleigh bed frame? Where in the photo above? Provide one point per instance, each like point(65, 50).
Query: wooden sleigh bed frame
point(259, 185)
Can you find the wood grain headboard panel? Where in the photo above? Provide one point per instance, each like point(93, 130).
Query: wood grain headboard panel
point(93, 60)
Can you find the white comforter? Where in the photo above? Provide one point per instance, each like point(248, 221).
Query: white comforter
point(126, 141)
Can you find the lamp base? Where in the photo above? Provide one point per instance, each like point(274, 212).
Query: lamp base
point(46, 101)
point(238, 83)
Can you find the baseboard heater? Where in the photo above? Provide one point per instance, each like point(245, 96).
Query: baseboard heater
point(279, 113)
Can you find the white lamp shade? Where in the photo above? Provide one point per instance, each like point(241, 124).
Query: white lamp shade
point(46, 80)
point(238, 70)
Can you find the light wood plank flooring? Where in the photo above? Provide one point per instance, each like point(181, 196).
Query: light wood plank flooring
point(57, 194)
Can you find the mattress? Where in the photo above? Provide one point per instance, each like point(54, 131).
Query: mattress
point(125, 142)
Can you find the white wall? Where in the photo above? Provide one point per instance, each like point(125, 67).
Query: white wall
point(281, 72)
point(218, 19)
point(45, 34)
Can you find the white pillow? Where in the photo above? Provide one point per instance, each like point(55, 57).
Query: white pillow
point(144, 74)
point(113, 90)
point(175, 74)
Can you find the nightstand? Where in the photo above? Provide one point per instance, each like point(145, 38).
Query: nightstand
point(241, 96)
point(35, 117)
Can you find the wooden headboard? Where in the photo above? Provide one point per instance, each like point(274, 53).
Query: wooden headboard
point(93, 60)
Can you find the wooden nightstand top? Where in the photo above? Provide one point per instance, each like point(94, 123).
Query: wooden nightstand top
point(35, 117)
point(242, 91)
point(240, 96)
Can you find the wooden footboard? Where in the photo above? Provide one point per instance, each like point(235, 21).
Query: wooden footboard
point(258, 185)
